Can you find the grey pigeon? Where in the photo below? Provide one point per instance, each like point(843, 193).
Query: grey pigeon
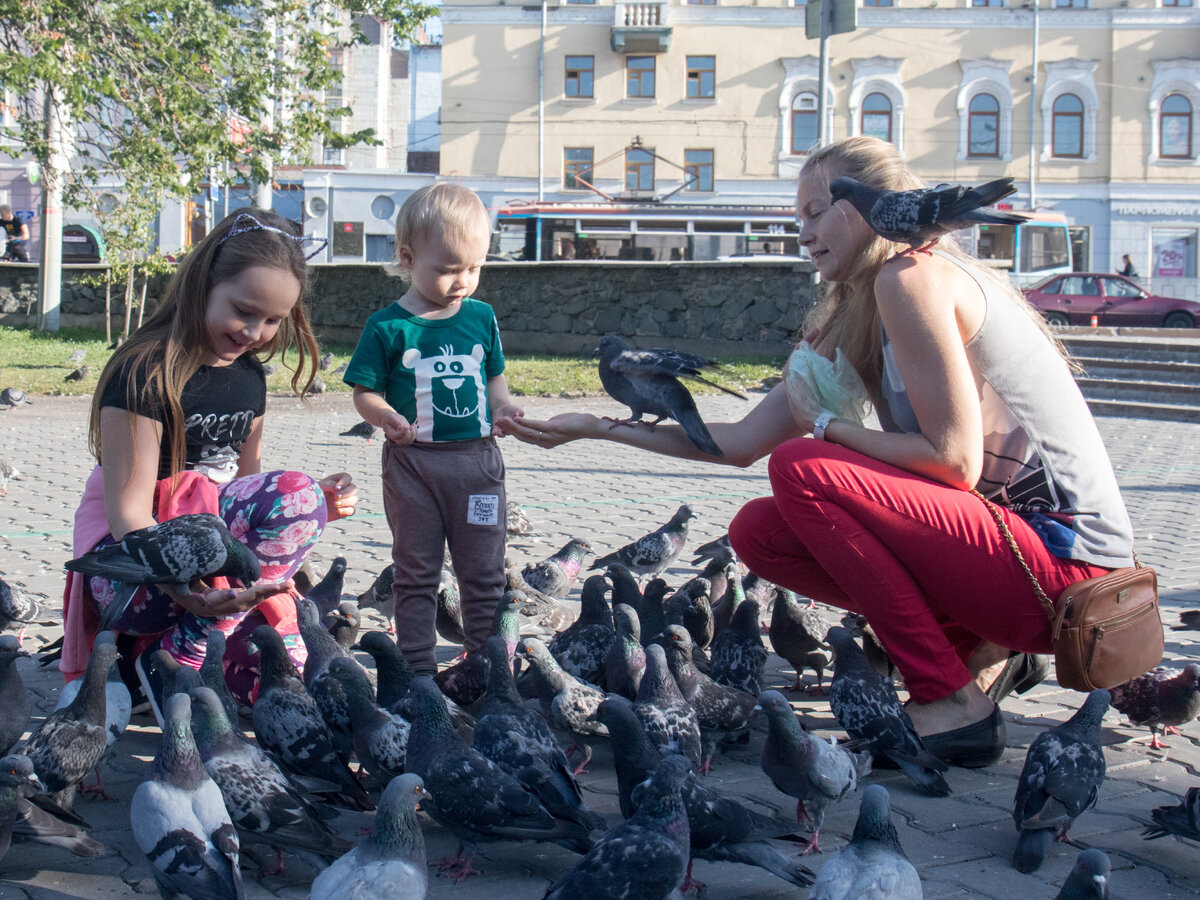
point(329, 693)
point(77, 375)
point(798, 635)
point(343, 623)
point(70, 741)
point(270, 368)
point(263, 804)
point(12, 396)
point(449, 618)
point(77, 356)
point(27, 815)
point(581, 649)
point(466, 681)
point(624, 586)
point(176, 552)
point(317, 386)
point(1160, 699)
point(15, 703)
point(18, 608)
point(327, 593)
point(645, 856)
point(920, 217)
point(816, 773)
point(721, 828)
point(545, 611)
point(739, 657)
point(1064, 768)
point(519, 741)
point(647, 381)
point(721, 711)
point(555, 575)
point(516, 520)
point(1182, 820)
point(361, 430)
point(212, 673)
point(288, 724)
point(391, 861)
point(873, 865)
point(724, 606)
point(393, 674)
point(8, 472)
point(118, 703)
point(689, 607)
point(379, 596)
point(572, 704)
point(718, 549)
point(342, 369)
point(380, 738)
point(866, 705)
point(669, 720)
point(325, 362)
point(626, 658)
point(651, 610)
point(860, 628)
point(1089, 879)
point(652, 553)
point(472, 797)
point(179, 818)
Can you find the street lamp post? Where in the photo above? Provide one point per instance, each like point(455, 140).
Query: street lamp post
point(1033, 80)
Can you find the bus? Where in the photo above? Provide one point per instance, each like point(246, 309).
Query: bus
point(1035, 249)
point(659, 232)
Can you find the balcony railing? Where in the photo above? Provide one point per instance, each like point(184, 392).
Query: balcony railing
point(641, 27)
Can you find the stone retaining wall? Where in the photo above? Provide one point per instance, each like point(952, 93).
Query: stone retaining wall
point(561, 307)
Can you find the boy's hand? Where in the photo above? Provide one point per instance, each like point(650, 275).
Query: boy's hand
point(507, 411)
point(398, 429)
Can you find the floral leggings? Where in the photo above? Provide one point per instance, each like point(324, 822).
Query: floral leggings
point(279, 515)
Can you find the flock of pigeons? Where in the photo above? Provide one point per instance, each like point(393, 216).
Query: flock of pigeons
point(669, 677)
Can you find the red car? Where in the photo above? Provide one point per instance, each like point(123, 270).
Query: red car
point(1113, 299)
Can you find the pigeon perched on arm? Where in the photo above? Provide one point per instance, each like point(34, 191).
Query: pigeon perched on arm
point(652, 553)
point(176, 553)
point(739, 657)
point(555, 575)
point(647, 381)
point(873, 865)
point(1182, 820)
point(1063, 771)
point(391, 861)
point(16, 706)
point(920, 217)
point(1160, 699)
point(645, 856)
point(866, 705)
point(179, 819)
point(1089, 879)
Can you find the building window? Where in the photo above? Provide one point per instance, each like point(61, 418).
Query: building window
point(639, 76)
point(877, 2)
point(1178, 2)
point(804, 122)
point(1071, 4)
point(1066, 127)
point(579, 1)
point(577, 164)
point(581, 72)
point(877, 117)
point(639, 170)
point(1174, 252)
point(698, 169)
point(983, 126)
point(701, 2)
point(701, 77)
point(1175, 127)
point(334, 156)
point(987, 2)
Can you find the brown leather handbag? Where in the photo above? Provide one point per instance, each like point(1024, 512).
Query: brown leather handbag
point(1105, 630)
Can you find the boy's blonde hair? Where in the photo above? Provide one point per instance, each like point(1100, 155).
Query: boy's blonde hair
point(6, 210)
point(446, 210)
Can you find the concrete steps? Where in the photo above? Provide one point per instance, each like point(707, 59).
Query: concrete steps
point(1142, 373)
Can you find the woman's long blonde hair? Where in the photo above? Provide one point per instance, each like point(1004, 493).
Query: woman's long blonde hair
point(847, 314)
point(173, 343)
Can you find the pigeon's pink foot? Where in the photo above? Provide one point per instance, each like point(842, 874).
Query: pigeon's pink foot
point(812, 604)
point(801, 813)
point(582, 769)
point(457, 868)
point(391, 629)
point(690, 886)
point(278, 869)
point(97, 789)
point(1156, 744)
point(798, 687)
point(1063, 838)
point(1171, 729)
point(812, 846)
point(706, 766)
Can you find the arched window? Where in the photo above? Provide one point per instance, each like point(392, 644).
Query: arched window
point(804, 122)
point(1066, 127)
point(877, 117)
point(983, 126)
point(1175, 127)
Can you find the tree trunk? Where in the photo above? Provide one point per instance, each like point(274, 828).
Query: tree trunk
point(108, 339)
point(128, 301)
point(142, 302)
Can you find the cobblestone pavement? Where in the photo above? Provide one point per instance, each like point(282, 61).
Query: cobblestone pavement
point(609, 494)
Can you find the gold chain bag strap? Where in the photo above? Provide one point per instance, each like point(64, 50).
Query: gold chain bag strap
point(1104, 630)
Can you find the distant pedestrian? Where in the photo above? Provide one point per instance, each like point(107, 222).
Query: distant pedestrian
point(16, 232)
point(1128, 270)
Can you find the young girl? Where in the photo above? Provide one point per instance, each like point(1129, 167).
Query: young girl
point(176, 427)
point(971, 392)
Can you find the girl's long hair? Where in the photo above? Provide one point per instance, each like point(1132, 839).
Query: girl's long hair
point(847, 314)
point(173, 343)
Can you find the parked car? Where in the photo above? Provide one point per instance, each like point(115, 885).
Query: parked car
point(1113, 299)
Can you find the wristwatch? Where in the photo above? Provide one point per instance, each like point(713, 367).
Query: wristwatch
point(821, 422)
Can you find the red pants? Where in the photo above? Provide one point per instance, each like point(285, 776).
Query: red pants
point(925, 563)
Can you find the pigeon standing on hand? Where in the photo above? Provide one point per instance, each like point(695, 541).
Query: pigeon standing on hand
point(555, 575)
point(652, 553)
point(1161, 698)
point(1089, 879)
point(179, 818)
point(873, 865)
point(391, 861)
point(920, 217)
point(1063, 771)
point(176, 553)
point(647, 381)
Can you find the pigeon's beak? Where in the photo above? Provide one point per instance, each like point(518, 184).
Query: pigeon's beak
point(36, 782)
point(596, 352)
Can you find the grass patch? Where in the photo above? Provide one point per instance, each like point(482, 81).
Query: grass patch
point(36, 362)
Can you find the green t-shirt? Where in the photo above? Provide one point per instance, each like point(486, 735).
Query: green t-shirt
point(432, 371)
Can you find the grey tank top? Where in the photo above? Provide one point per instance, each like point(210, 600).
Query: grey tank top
point(1043, 456)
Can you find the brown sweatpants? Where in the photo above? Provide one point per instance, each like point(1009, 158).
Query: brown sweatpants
point(436, 494)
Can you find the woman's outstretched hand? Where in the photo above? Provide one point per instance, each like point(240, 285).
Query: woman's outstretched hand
point(341, 495)
point(210, 603)
point(550, 432)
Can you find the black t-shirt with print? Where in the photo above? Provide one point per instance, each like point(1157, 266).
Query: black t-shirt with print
point(220, 404)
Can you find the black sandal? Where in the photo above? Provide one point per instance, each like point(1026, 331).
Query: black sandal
point(972, 746)
point(1022, 672)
